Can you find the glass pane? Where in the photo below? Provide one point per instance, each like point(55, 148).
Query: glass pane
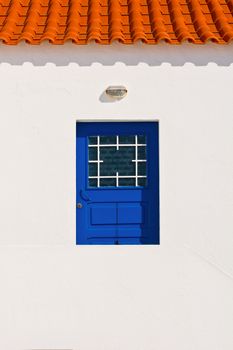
point(142, 139)
point(92, 151)
point(126, 182)
point(141, 152)
point(142, 182)
point(93, 182)
point(107, 182)
point(106, 140)
point(127, 139)
point(92, 169)
point(125, 156)
point(126, 169)
point(142, 168)
point(109, 157)
point(92, 140)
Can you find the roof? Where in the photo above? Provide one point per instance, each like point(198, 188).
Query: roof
point(127, 21)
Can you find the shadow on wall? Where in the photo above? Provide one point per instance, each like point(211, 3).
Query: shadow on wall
point(130, 55)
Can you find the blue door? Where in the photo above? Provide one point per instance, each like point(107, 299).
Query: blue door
point(117, 183)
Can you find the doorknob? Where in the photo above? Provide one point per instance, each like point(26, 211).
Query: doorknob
point(79, 205)
point(84, 196)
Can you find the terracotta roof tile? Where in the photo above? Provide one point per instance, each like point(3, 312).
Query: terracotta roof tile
point(127, 21)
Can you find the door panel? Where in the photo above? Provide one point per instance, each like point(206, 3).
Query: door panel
point(117, 183)
point(103, 214)
point(130, 213)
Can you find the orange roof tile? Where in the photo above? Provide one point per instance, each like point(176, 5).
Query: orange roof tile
point(127, 21)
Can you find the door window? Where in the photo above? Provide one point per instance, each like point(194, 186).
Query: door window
point(115, 161)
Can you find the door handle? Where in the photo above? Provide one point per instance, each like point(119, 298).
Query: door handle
point(84, 196)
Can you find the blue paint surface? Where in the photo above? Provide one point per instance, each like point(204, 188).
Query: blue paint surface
point(117, 215)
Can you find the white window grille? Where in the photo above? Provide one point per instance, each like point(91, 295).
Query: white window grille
point(117, 161)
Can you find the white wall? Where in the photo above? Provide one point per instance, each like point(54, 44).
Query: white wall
point(53, 294)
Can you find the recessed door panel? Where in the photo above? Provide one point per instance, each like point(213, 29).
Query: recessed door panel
point(130, 213)
point(103, 214)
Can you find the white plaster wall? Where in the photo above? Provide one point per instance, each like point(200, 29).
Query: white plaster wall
point(175, 296)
